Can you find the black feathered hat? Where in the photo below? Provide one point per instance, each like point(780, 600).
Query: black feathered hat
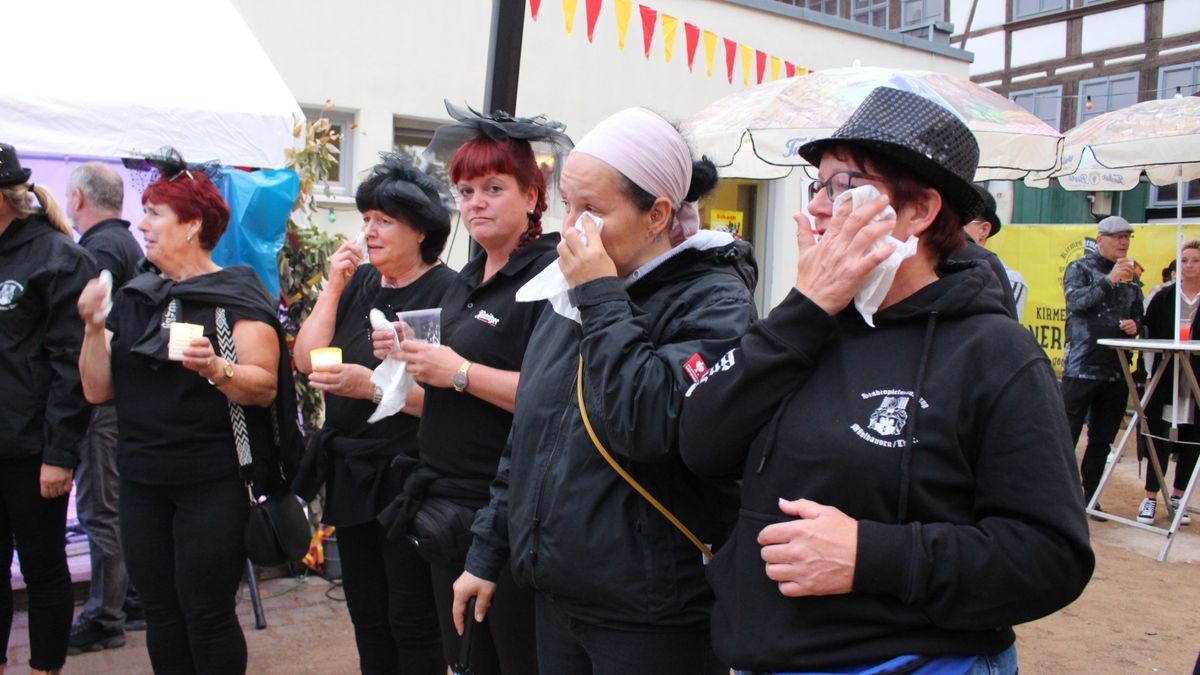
point(397, 187)
point(471, 124)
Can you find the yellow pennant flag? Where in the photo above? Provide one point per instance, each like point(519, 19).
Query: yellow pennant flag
point(624, 9)
point(747, 54)
point(569, 13)
point(710, 51)
point(776, 65)
point(669, 26)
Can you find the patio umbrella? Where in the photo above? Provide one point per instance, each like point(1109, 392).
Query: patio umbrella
point(1110, 152)
point(755, 133)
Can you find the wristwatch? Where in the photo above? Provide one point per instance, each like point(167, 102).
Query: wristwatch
point(376, 395)
point(228, 371)
point(460, 379)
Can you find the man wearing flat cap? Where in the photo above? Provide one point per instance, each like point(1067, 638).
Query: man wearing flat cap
point(1104, 300)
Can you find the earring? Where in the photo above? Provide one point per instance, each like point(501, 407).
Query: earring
point(529, 213)
point(189, 238)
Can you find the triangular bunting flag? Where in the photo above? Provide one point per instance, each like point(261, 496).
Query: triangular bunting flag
point(624, 9)
point(760, 60)
point(649, 16)
point(710, 51)
point(804, 71)
point(747, 53)
point(534, 5)
point(593, 13)
point(789, 69)
point(670, 25)
point(691, 34)
point(569, 14)
point(730, 57)
point(776, 66)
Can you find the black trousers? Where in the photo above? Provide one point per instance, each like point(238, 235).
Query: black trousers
point(39, 527)
point(568, 646)
point(1185, 463)
point(389, 593)
point(184, 553)
point(1102, 404)
point(504, 644)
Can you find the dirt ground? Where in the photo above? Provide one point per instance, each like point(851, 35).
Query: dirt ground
point(1136, 616)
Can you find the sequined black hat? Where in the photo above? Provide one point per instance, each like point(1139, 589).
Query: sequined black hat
point(919, 134)
point(11, 172)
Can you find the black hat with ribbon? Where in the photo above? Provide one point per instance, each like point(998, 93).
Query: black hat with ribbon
point(11, 172)
point(927, 139)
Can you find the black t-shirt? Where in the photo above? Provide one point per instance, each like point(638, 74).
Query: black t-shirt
point(358, 496)
point(173, 426)
point(112, 245)
point(461, 435)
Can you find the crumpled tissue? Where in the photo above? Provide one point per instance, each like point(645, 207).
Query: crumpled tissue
point(879, 281)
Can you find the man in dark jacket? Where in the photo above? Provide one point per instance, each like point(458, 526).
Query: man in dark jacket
point(1103, 301)
point(95, 194)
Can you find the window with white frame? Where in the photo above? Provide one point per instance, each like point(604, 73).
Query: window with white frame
point(914, 12)
point(410, 137)
point(1102, 94)
point(1184, 80)
point(1026, 8)
point(870, 12)
point(1045, 103)
point(341, 174)
point(823, 6)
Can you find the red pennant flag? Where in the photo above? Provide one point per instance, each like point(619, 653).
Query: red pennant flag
point(730, 56)
point(533, 8)
point(760, 58)
point(789, 69)
point(593, 13)
point(649, 17)
point(692, 33)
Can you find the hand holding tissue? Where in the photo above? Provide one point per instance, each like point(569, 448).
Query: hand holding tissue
point(878, 282)
point(390, 376)
point(551, 285)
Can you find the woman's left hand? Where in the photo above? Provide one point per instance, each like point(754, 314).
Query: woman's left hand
point(350, 380)
point(433, 365)
point(814, 555)
point(55, 481)
point(579, 263)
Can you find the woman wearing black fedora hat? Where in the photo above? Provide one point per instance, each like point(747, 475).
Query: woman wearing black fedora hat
point(904, 501)
point(44, 413)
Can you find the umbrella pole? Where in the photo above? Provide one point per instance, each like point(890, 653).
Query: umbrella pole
point(1175, 412)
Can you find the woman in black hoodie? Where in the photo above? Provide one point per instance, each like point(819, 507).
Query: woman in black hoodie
point(909, 489)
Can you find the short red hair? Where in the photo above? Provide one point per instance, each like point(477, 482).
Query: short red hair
point(485, 156)
point(192, 196)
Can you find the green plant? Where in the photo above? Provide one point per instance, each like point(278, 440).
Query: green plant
point(304, 259)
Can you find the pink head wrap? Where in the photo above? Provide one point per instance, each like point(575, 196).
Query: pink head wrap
point(647, 150)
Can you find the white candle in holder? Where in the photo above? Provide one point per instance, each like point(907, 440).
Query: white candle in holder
point(181, 337)
point(324, 357)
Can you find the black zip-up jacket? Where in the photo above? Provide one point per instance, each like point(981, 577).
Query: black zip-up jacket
point(941, 431)
point(574, 527)
point(41, 275)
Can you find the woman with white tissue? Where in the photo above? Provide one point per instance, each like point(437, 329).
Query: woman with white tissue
point(363, 465)
point(909, 490)
point(619, 588)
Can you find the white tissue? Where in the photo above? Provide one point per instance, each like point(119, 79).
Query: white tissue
point(551, 285)
point(361, 243)
point(879, 281)
point(390, 376)
point(106, 282)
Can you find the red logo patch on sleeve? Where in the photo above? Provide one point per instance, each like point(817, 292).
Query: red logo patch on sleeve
point(695, 368)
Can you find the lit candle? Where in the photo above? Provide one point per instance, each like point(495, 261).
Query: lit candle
point(181, 337)
point(324, 357)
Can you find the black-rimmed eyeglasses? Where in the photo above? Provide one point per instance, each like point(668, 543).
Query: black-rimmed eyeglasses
point(839, 183)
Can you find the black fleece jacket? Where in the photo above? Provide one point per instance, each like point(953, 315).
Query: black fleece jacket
point(575, 529)
point(941, 431)
point(41, 275)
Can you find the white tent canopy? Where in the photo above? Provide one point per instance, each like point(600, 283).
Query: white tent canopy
point(113, 79)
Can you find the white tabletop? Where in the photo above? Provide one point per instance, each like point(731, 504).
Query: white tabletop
point(1151, 345)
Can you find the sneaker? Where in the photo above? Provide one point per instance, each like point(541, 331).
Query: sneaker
point(1098, 519)
point(88, 636)
point(1146, 511)
point(1187, 518)
point(135, 617)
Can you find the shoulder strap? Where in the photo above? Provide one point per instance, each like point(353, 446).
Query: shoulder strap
point(237, 417)
point(587, 424)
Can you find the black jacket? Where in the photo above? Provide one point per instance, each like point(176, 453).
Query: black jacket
point(941, 431)
point(575, 529)
point(1160, 325)
point(973, 251)
point(41, 275)
point(1095, 308)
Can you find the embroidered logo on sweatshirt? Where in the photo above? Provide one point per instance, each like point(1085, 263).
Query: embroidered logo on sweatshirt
point(9, 290)
point(488, 318)
point(727, 361)
point(885, 426)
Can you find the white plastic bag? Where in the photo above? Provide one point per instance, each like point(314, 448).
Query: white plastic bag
point(879, 281)
point(551, 285)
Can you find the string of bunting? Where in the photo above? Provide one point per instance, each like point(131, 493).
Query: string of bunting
point(757, 65)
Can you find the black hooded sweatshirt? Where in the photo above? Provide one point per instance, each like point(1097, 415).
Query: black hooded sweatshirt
point(941, 431)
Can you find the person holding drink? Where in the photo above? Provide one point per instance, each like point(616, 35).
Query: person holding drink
point(1103, 300)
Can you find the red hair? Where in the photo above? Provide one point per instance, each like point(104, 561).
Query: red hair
point(486, 156)
point(192, 196)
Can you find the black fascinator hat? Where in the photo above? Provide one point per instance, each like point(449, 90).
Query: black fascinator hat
point(402, 191)
point(171, 166)
point(471, 124)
